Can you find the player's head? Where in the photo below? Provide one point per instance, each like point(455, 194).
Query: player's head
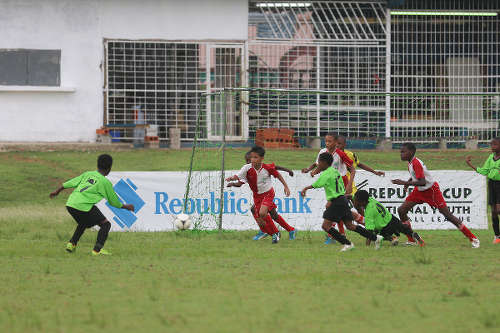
point(331, 141)
point(341, 142)
point(361, 199)
point(104, 163)
point(257, 154)
point(325, 161)
point(247, 157)
point(495, 145)
point(407, 151)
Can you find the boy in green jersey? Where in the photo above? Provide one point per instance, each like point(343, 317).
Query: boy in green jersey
point(491, 169)
point(337, 207)
point(379, 220)
point(90, 188)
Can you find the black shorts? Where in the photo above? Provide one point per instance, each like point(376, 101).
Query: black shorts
point(338, 210)
point(88, 219)
point(493, 192)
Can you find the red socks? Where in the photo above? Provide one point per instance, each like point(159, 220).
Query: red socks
point(281, 221)
point(270, 227)
point(467, 232)
point(340, 225)
point(410, 238)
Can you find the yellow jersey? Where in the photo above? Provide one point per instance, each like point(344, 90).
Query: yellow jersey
point(355, 162)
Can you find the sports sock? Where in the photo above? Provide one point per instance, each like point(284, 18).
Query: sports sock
point(494, 223)
point(338, 236)
point(467, 232)
point(410, 237)
point(365, 233)
point(80, 229)
point(281, 221)
point(270, 227)
point(340, 225)
point(102, 235)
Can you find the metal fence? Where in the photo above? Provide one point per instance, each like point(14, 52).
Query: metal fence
point(423, 71)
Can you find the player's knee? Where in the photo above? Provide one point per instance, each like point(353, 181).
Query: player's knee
point(349, 225)
point(401, 211)
point(273, 214)
point(105, 225)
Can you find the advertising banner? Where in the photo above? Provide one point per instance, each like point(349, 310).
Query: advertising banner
point(159, 196)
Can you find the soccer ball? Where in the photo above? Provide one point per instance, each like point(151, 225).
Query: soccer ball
point(182, 221)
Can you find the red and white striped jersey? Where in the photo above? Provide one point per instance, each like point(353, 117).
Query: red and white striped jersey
point(259, 180)
point(418, 170)
point(340, 160)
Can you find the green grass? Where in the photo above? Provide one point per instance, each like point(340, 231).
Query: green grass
point(211, 282)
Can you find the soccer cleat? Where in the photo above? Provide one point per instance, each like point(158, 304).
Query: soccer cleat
point(378, 242)
point(292, 234)
point(475, 243)
point(347, 247)
point(395, 241)
point(102, 252)
point(419, 239)
point(260, 235)
point(276, 238)
point(496, 240)
point(329, 240)
point(408, 243)
point(70, 247)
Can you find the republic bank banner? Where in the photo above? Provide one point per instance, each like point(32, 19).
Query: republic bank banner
point(159, 196)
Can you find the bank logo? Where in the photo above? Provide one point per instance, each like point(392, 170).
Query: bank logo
point(126, 191)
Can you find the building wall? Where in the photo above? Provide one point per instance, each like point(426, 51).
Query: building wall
point(78, 29)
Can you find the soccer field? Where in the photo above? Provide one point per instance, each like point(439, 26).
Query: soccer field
point(225, 282)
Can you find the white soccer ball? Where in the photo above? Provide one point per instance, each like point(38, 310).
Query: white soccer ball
point(182, 221)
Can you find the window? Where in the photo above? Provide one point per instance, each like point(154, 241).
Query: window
point(22, 67)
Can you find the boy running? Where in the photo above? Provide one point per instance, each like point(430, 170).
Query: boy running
point(426, 190)
point(90, 188)
point(341, 162)
point(292, 233)
point(337, 208)
point(491, 169)
point(379, 220)
point(258, 176)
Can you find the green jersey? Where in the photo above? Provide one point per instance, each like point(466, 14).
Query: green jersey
point(332, 182)
point(491, 168)
point(376, 215)
point(90, 188)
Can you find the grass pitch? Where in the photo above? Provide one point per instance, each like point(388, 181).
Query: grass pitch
point(225, 282)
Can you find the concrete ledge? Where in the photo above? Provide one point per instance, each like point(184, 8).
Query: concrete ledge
point(37, 89)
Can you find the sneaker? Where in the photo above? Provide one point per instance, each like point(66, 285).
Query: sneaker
point(276, 238)
point(496, 240)
point(408, 243)
point(329, 240)
point(475, 243)
point(347, 247)
point(102, 252)
point(395, 241)
point(292, 234)
point(70, 247)
point(378, 242)
point(419, 239)
point(260, 235)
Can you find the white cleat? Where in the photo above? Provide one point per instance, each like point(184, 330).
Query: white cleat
point(475, 243)
point(408, 243)
point(378, 242)
point(347, 247)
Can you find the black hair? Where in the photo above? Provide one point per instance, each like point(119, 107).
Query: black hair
point(326, 157)
point(258, 150)
point(247, 154)
point(362, 195)
point(104, 162)
point(333, 135)
point(410, 146)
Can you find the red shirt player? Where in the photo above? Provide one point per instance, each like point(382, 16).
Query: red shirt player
point(258, 176)
point(341, 162)
point(426, 191)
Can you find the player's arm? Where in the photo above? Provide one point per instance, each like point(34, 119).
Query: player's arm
point(367, 168)
point(468, 160)
point(305, 189)
point(309, 168)
point(484, 170)
point(352, 170)
point(285, 185)
point(72, 183)
point(409, 182)
point(238, 183)
point(109, 193)
point(280, 168)
point(232, 178)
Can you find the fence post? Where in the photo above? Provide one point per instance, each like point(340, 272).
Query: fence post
point(388, 73)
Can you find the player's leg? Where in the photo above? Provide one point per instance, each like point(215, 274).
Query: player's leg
point(494, 202)
point(327, 226)
point(266, 206)
point(398, 227)
point(460, 226)
point(262, 232)
point(292, 233)
point(403, 216)
point(495, 210)
point(80, 219)
point(102, 236)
